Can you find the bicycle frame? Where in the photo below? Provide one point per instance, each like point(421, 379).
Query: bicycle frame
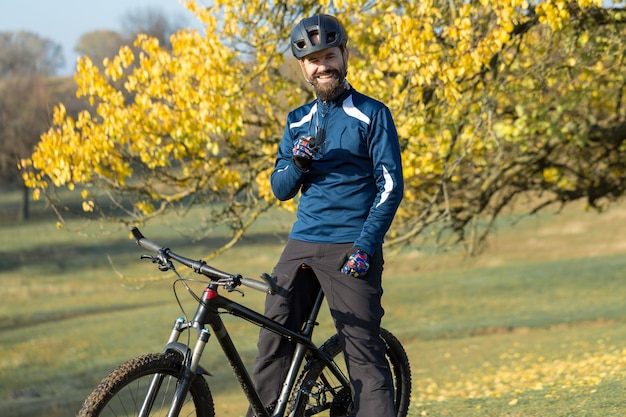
point(208, 313)
point(313, 384)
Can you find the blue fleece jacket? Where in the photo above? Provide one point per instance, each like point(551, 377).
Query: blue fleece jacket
point(355, 184)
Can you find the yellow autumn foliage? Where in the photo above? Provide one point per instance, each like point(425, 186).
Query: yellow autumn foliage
point(491, 99)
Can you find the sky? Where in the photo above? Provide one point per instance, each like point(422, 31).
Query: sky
point(64, 21)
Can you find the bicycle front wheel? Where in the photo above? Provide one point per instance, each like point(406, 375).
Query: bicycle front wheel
point(320, 393)
point(124, 391)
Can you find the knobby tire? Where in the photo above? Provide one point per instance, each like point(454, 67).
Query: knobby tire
point(326, 393)
point(122, 392)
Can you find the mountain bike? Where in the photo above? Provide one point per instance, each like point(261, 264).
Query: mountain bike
point(173, 382)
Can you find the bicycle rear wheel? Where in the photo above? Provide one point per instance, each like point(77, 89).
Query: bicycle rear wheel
point(318, 390)
point(123, 391)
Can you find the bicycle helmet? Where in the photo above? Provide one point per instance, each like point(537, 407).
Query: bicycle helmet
point(331, 33)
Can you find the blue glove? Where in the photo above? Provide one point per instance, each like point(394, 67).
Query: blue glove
point(356, 264)
point(304, 152)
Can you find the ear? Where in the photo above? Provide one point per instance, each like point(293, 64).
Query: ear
point(301, 63)
point(304, 74)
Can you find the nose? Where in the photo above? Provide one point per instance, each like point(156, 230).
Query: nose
point(323, 66)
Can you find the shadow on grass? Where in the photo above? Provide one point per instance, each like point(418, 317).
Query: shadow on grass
point(63, 256)
point(8, 322)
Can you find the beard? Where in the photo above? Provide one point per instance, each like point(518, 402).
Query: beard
point(330, 90)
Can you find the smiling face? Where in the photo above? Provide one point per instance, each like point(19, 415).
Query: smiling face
point(325, 71)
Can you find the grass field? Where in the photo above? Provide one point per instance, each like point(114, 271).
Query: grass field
point(534, 326)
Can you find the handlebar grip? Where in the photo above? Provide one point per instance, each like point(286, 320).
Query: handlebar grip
point(145, 243)
point(256, 285)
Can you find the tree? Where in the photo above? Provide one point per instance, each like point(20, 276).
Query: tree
point(493, 101)
point(99, 44)
point(25, 60)
point(22, 115)
point(153, 22)
point(27, 53)
point(22, 119)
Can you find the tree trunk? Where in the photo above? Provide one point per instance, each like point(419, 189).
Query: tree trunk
point(23, 211)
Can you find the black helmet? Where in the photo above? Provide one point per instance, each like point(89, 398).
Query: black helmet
point(330, 30)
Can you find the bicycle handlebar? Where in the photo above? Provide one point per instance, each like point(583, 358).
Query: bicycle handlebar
point(200, 267)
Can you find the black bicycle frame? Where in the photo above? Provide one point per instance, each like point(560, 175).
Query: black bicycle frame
point(208, 313)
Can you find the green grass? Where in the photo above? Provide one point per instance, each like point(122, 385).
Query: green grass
point(534, 326)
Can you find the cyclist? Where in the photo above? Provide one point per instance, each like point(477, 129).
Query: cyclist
point(341, 153)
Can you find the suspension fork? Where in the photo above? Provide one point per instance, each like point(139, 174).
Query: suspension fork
point(188, 369)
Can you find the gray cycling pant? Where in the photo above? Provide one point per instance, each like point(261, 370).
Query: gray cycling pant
point(355, 306)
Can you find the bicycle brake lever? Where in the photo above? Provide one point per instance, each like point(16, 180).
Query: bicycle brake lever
point(233, 288)
point(153, 259)
point(163, 264)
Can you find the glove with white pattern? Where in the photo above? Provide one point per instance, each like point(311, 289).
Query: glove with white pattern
point(304, 152)
point(356, 264)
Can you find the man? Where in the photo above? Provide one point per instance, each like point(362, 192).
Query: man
point(341, 153)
